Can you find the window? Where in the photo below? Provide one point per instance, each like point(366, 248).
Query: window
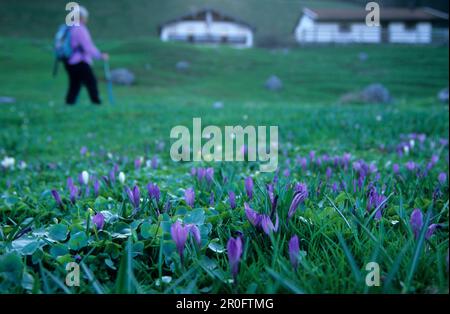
point(410, 26)
point(345, 27)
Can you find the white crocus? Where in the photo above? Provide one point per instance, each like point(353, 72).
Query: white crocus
point(85, 177)
point(8, 162)
point(122, 177)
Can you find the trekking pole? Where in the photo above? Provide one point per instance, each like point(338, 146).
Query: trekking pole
point(108, 81)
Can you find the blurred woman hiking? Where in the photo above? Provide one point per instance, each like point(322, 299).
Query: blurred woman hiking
point(78, 59)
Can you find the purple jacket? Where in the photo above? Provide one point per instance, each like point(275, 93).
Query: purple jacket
point(84, 50)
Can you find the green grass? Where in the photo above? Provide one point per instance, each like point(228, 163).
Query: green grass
point(339, 237)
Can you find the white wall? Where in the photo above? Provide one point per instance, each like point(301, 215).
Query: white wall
point(309, 30)
point(200, 29)
point(421, 34)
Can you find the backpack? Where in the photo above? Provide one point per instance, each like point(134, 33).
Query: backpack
point(62, 46)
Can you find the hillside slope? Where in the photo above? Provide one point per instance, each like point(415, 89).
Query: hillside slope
point(140, 18)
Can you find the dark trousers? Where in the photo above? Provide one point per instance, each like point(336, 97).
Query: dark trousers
point(81, 74)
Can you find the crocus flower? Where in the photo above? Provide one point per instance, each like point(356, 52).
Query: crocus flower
point(138, 163)
point(234, 250)
point(416, 222)
point(294, 250)
point(189, 197)
point(431, 229)
point(154, 162)
point(209, 175)
point(411, 165)
point(201, 173)
point(267, 224)
point(442, 178)
point(195, 231)
point(232, 199)
point(329, 173)
point(252, 216)
point(395, 168)
point(153, 191)
point(134, 196)
point(211, 199)
point(73, 190)
point(99, 221)
point(375, 201)
point(121, 177)
point(179, 236)
point(96, 187)
point(85, 177)
point(300, 194)
point(249, 187)
point(83, 150)
point(57, 198)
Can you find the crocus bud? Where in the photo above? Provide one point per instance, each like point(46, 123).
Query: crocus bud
point(234, 250)
point(442, 178)
point(57, 198)
point(179, 236)
point(121, 177)
point(416, 222)
point(294, 250)
point(85, 177)
point(189, 197)
point(99, 221)
point(249, 187)
point(232, 199)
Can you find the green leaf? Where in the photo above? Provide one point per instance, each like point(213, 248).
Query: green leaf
point(196, 216)
point(58, 232)
point(78, 241)
point(124, 282)
point(11, 267)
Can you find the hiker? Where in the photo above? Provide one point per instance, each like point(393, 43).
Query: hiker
point(78, 65)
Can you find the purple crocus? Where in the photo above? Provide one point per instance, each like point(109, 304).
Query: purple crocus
point(99, 221)
point(442, 178)
point(96, 187)
point(201, 173)
point(267, 224)
point(300, 194)
point(179, 236)
point(410, 165)
point(73, 190)
point(294, 250)
point(395, 168)
point(189, 197)
point(154, 162)
point(83, 151)
point(234, 250)
point(232, 199)
point(252, 216)
point(57, 198)
point(134, 196)
point(195, 231)
point(416, 222)
point(137, 163)
point(375, 201)
point(209, 175)
point(153, 191)
point(329, 173)
point(211, 199)
point(249, 187)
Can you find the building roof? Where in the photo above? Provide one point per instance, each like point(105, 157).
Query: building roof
point(201, 15)
point(386, 14)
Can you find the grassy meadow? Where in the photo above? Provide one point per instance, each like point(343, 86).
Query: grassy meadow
point(344, 154)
